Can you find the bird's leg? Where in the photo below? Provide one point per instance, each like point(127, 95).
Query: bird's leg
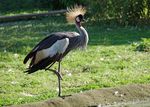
point(59, 80)
point(48, 68)
point(56, 72)
point(58, 75)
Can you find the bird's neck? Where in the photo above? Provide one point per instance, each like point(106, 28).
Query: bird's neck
point(83, 34)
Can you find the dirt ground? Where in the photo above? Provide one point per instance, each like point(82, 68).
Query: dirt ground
point(98, 98)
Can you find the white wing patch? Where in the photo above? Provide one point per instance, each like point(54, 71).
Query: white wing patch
point(58, 47)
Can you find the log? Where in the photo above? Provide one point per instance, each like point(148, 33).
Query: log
point(29, 16)
point(114, 97)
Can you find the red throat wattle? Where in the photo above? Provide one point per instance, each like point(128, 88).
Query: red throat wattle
point(78, 23)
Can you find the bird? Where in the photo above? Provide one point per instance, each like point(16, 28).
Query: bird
point(57, 45)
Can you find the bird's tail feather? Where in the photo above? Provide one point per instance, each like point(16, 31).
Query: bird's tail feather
point(32, 70)
point(41, 65)
point(27, 58)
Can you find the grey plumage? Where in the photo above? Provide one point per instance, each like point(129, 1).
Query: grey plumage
point(55, 47)
point(75, 41)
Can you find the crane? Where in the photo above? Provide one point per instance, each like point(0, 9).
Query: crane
point(57, 45)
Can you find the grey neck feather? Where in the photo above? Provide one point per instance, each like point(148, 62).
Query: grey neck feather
point(83, 35)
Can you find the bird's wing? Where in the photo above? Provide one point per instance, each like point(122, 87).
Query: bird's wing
point(48, 44)
point(57, 48)
point(45, 43)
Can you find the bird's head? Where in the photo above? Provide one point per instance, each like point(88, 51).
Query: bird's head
point(79, 18)
point(75, 14)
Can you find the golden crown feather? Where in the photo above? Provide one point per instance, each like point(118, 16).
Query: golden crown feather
point(73, 12)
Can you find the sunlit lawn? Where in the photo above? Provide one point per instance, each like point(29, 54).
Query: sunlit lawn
point(108, 61)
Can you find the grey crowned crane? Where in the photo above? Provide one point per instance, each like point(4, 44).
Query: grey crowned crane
point(57, 45)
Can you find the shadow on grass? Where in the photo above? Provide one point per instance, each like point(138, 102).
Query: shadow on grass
point(22, 36)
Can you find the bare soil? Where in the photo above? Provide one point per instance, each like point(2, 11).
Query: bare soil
point(101, 97)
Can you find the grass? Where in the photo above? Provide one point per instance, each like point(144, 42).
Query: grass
point(109, 60)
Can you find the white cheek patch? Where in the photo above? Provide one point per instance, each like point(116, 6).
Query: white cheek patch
point(58, 47)
point(77, 19)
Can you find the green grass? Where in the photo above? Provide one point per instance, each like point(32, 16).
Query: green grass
point(108, 61)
